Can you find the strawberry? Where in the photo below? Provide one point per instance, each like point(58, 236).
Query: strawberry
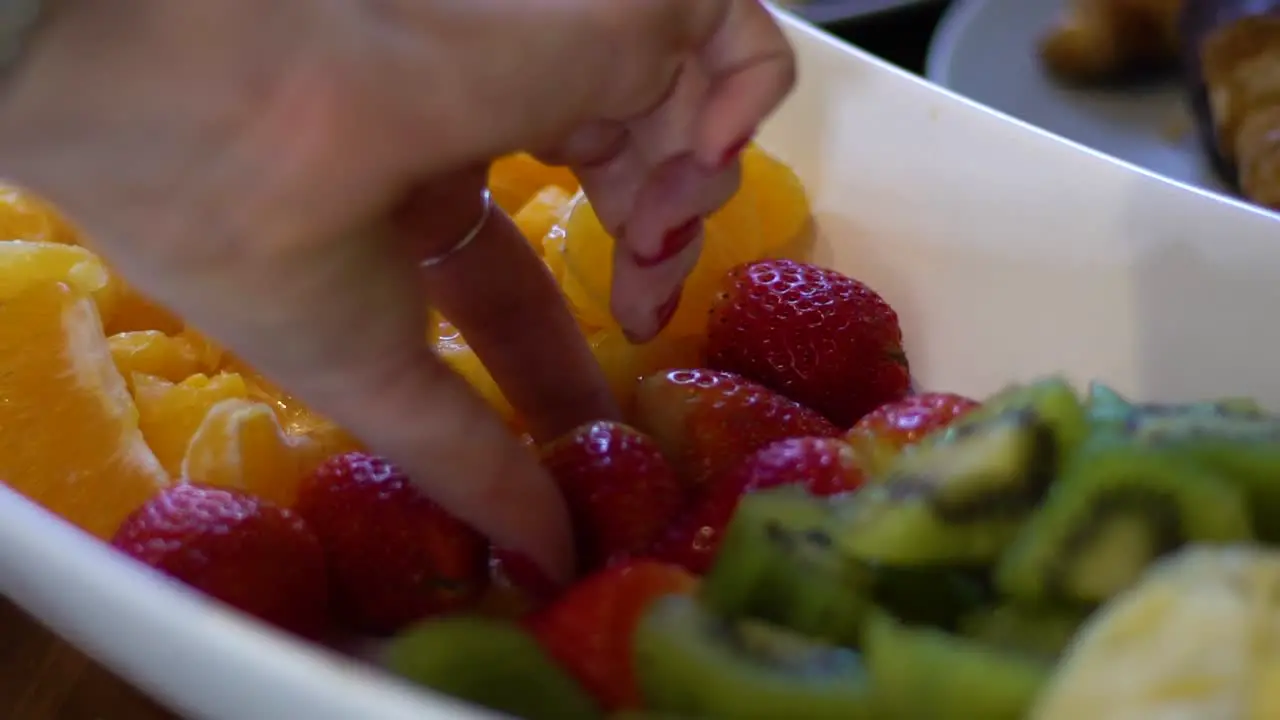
point(706, 421)
point(248, 553)
point(822, 339)
point(589, 629)
point(881, 434)
point(394, 555)
point(823, 466)
point(620, 491)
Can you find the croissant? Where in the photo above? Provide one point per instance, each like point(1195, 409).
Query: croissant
point(1238, 103)
point(1099, 41)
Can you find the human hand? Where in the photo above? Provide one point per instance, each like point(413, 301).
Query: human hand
point(276, 172)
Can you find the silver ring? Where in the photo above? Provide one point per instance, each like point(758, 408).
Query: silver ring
point(486, 209)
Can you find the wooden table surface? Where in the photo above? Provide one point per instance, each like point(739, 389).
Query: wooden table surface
point(43, 678)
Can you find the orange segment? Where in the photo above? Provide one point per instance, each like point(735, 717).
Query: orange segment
point(211, 355)
point(151, 352)
point(25, 216)
point(135, 311)
point(297, 419)
point(454, 350)
point(24, 264)
point(543, 211)
point(242, 445)
point(782, 205)
point(169, 413)
point(731, 237)
point(766, 216)
point(624, 364)
point(515, 178)
point(69, 433)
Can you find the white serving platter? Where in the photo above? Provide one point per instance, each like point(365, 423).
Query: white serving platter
point(1008, 252)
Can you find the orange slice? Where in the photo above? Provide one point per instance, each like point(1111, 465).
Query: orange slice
point(25, 216)
point(169, 413)
point(135, 311)
point(514, 179)
point(24, 264)
point(454, 350)
point(624, 364)
point(241, 445)
point(781, 202)
point(764, 218)
point(69, 432)
point(151, 352)
point(297, 418)
point(211, 355)
point(543, 211)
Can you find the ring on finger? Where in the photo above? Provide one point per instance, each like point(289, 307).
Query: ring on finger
point(486, 209)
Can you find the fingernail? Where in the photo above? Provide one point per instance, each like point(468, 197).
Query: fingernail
point(667, 310)
point(734, 151)
point(672, 243)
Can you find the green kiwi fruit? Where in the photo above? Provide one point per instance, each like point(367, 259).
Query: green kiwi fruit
point(692, 662)
point(1038, 632)
point(1117, 507)
point(1108, 409)
point(938, 596)
point(778, 563)
point(492, 663)
point(1242, 448)
point(923, 673)
point(960, 496)
point(1052, 401)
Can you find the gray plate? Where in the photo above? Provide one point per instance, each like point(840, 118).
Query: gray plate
point(986, 50)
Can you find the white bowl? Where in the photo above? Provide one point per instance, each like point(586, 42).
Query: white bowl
point(1009, 254)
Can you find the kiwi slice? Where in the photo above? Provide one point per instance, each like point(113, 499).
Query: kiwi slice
point(960, 497)
point(1108, 409)
point(1051, 400)
point(924, 673)
point(937, 596)
point(1038, 632)
point(1118, 507)
point(690, 661)
point(492, 663)
point(1241, 447)
point(778, 563)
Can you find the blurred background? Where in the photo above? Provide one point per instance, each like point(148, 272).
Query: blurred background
point(896, 30)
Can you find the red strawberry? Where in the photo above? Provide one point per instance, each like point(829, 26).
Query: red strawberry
point(823, 466)
point(880, 435)
point(620, 491)
point(259, 558)
point(394, 555)
point(706, 421)
point(589, 629)
point(822, 339)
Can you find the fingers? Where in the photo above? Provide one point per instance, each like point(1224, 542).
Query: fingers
point(662, 240)
point(500, 295)
point(341, 324)
point(652, 196)
point(752, 68)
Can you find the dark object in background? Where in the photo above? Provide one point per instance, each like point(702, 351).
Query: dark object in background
point(1202, 21)
point(898, 32)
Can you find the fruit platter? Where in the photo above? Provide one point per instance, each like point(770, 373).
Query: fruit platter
point(911, 447)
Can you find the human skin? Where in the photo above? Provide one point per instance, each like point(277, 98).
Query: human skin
point(276, 172)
